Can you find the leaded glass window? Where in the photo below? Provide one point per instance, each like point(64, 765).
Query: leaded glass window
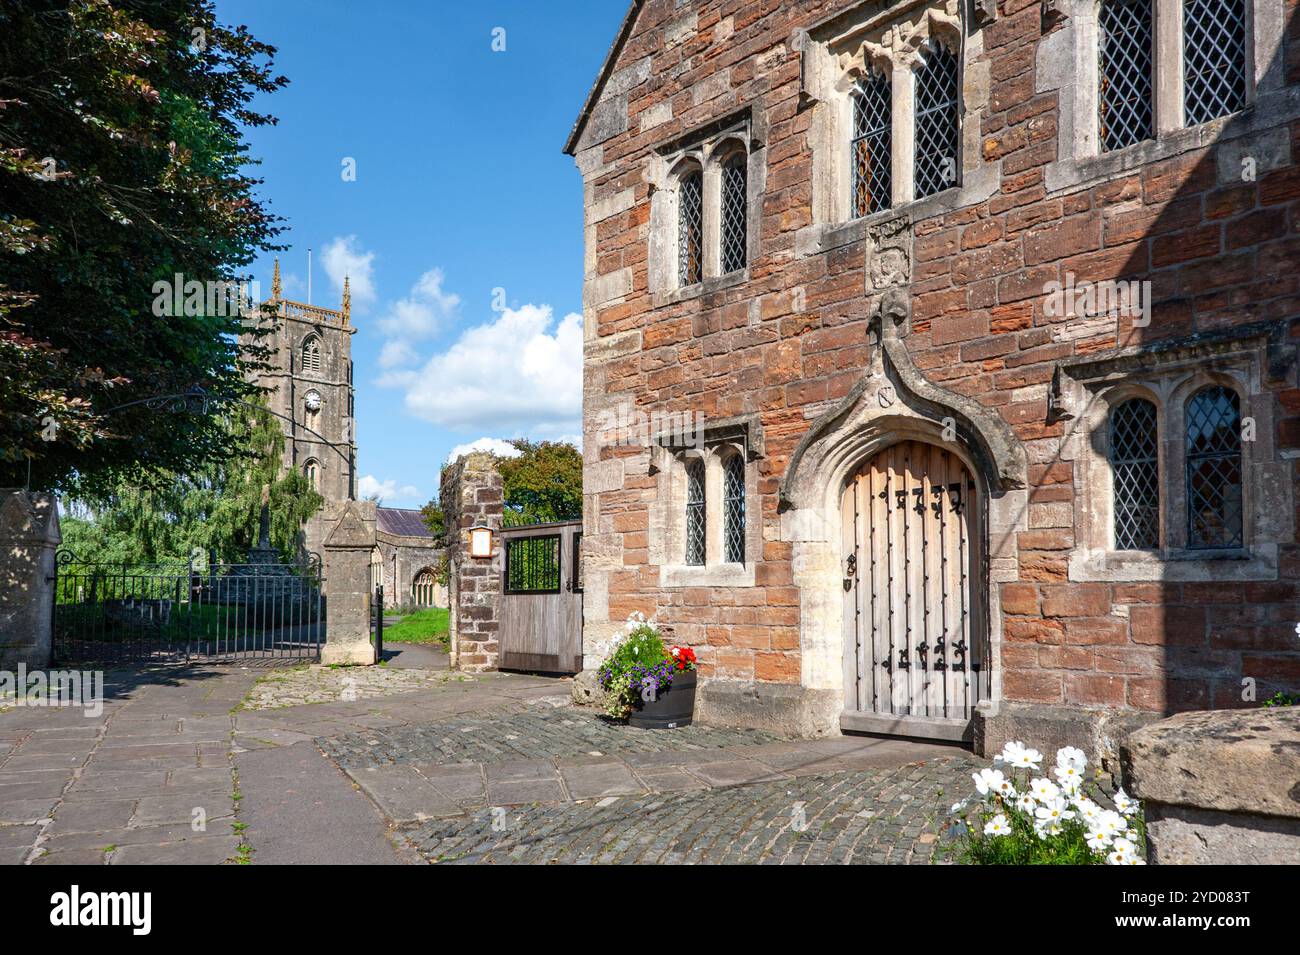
point(1125, 94)
point(695, 512)
point(1135, 467)
point(733, 509)
point(1214, 474)
point(872, 147)
point(690, 228)
point(735, 207)
point(936, 122)
point(1214, 59)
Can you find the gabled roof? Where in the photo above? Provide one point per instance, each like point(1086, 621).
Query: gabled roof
point(401, 522)
point(593, 97)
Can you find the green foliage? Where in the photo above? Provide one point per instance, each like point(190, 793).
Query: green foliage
point(433, 518)
point(639, 656)
point(214, 512)
point(1281, 698)
point(544, 483)
point(142, 106)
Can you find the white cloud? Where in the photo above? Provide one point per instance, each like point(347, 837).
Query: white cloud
point(418, 316)
point(388, 491)
point(503, 449)
point(345, 257)
point(518, 374)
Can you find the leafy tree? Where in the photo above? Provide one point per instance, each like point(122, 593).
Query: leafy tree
point(433, 518)
point(214, 512)
point(123, 164)
point(543, 483)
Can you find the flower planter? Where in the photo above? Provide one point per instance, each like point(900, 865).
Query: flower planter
point(672, 708)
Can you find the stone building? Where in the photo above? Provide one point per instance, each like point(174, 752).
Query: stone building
point(407, 560)
point(312, 392)
point(983, 318)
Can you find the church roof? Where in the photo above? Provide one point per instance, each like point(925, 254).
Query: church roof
point(401, 521)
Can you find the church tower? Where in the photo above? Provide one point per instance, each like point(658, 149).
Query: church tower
point(311, 388)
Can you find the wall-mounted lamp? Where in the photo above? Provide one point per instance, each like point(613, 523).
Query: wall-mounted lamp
point(480, 542)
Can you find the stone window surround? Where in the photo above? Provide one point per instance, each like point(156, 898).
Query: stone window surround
point(706, 150)
point(311, 469)
point(1067, 62)
point(1170, 380)
point(667, 537)
point(834, 56)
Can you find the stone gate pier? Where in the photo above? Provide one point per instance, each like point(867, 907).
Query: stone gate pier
point(29, 536)
point(348, 531)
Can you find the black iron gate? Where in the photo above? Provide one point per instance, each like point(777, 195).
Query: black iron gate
point(160, 613)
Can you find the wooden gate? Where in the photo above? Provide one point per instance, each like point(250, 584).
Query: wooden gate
point(914, 619)
point(541, 603)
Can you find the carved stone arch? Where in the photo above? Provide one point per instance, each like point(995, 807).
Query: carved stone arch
point(896, 399)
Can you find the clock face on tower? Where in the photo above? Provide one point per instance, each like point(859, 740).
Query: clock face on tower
point(312, 400)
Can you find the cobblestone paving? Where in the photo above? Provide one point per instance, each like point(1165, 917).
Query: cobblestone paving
point(539, 731)
point(868, 817)
point(322, 684)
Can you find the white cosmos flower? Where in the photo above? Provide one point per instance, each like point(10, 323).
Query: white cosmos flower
point(1098, 840)
point(957, 807)
point(1047, 827)
point(1025, 802)
point(992, 782)
point(1057, 810)
point(1071, 756)
point(1121, 852)
point(1019, 756)
point(1070, 777)
point(1044, 790)
point(1089, 811)
point(1123, 803)
point(1131, 835)
point(997, 826)
point(1110, 822)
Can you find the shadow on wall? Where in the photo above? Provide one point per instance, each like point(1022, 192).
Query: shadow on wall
point(1189, 451)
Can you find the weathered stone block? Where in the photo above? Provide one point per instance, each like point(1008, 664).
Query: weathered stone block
point(1220, 787)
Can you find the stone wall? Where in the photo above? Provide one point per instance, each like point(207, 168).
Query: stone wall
point(472, 496)
point(402, 558)
point(1075, 632)
point(1220, 788)
point(29, 535)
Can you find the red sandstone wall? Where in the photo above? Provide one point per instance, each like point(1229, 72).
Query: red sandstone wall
point(1216, 256)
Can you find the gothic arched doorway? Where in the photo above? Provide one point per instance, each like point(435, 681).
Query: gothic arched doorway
point(915, 644)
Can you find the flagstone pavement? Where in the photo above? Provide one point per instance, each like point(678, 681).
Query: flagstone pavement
point(211, 765)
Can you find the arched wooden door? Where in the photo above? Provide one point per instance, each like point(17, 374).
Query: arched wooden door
point(914, 621)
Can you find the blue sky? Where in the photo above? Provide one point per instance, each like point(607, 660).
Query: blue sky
point(463, 228)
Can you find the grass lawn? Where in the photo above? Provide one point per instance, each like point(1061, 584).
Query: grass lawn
point(423, 626)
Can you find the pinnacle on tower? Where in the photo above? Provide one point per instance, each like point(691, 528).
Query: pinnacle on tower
point(347, 300)
point(275, 280)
